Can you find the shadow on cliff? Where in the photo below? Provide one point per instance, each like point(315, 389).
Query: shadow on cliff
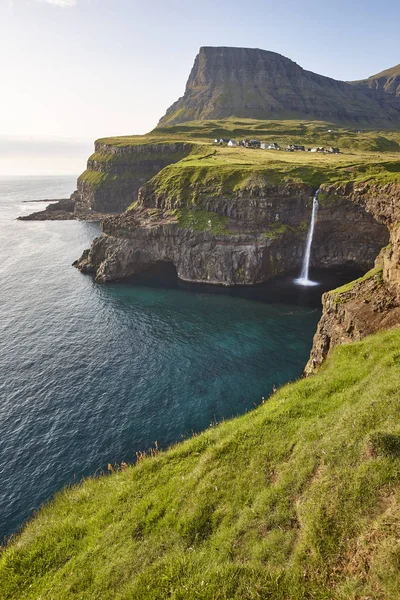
point(279, 290)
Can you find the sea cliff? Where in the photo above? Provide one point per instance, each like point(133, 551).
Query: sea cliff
point(233, 237)
point(115, 173)
point(371, 303)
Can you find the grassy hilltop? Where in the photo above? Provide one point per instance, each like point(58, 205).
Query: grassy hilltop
point(298, 499)
point(365, 155)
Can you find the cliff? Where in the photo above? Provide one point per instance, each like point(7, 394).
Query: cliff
point(371, 303)
point(115, 173)
point(257, 84)
point(386, 83)
point(242, 229)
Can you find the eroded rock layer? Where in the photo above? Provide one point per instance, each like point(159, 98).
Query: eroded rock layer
point(371, 303)
point(115, 173)
point(240, 238)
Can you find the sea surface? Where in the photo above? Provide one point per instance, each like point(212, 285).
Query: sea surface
point(91, 374)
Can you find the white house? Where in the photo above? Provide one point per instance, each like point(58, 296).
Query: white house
point(268, 146)
point(232, 143)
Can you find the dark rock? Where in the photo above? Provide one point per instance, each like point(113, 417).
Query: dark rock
point(265, 236)
point(62, 210)
point(124, 170)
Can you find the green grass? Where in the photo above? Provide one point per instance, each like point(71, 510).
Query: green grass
point(201, 220)
point(367, 156)
point(284, 132)
point(375, 273)
point(94, 178)
point(278, 229)
point(298, 499)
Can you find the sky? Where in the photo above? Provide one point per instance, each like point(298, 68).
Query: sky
point(76, 70)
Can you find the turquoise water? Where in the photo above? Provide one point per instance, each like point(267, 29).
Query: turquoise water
point(91, 374)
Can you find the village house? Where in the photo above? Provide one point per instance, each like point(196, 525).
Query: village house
point(250, 143)
point(232, 143)
point(295, 148)
point(268, 146)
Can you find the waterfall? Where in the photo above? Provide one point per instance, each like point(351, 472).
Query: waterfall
point(303, 279)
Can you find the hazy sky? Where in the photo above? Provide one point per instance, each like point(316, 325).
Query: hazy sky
point(75, 70)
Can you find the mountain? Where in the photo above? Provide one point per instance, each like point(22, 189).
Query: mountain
point(387, 82)
point(252, 83)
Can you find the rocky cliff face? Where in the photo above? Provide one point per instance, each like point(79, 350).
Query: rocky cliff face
point(240, 238)
point(253, 83)
point(373, 302)
point(386, 83)
point(115, 173)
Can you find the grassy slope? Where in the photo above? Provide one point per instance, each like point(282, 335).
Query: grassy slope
point(298, 499)
point(309, 133)
point(230, 169)
point(368, 155)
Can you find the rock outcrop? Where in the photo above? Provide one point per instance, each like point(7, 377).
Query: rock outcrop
point(257, 84)
point(385, 83)
point(241, 238)
point(60, 210)
point(115, 173)
point(371, 303)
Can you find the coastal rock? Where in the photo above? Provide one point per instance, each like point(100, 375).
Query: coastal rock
point(129, 247)
point(115, 173)
point(61, 210)
point(373, 302)
point(263, 235)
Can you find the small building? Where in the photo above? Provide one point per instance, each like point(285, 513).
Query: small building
point(269, 146)
point(332, 150)
point(295, 148)
point(221, 141)
point(250, 143)
point(232, 143)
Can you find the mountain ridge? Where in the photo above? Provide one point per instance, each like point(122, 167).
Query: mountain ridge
point(254, 83)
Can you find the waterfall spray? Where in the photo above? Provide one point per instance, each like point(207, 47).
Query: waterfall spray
point(303, 279)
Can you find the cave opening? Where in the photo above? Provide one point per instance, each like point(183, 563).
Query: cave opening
point(160, 273)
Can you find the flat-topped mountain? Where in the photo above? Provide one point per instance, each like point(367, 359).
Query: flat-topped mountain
point(252, 83)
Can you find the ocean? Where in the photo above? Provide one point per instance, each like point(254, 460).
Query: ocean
point(91, 374)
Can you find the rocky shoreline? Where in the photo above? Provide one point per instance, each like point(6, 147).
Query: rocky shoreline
point(263, 236)
point(63, 210)
point(58, 210)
